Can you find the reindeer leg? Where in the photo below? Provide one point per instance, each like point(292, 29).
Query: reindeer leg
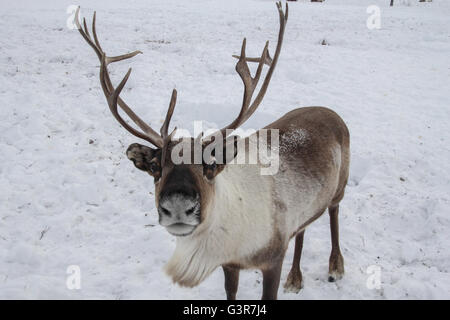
point(231, 281)
point(336, 266)
point(294, 280)
point(271, 280)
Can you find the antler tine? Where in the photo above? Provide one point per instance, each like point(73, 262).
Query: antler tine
point(94, 31)
point(149, 134)
point(113, 96)
point(165, 126)
point(250, 82)
point(85, 34)
point(86, 30)
point(244, 72)
point(267, 62)
point(269, 59)
point(261, 64)
point(262, 91)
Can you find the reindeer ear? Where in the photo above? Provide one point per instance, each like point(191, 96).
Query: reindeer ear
point(213, 168)
point(230, 149)
point(144, 158)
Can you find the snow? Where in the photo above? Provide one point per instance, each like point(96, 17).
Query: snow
point(65, 201)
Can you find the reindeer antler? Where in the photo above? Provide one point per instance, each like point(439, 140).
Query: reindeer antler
point(113, 94)
point(250, 82)
point(161, 140)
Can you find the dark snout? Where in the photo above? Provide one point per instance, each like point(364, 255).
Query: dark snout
point(179, 211)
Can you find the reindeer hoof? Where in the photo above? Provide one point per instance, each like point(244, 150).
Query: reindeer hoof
point(294, 282)
point(334, 276)
point(336, 269)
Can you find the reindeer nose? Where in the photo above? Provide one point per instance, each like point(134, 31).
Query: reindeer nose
point(164, 211)
point(178, 204)
point(179, 212)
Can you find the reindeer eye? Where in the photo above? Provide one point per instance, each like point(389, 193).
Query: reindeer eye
point(153, 167)
point(209, 169)
point(212, 166)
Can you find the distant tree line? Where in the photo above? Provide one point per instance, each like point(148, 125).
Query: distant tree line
point(392, 1)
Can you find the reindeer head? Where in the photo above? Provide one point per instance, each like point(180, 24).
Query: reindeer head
point(183, 191)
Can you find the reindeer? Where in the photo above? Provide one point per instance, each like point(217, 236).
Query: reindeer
point(230, 215)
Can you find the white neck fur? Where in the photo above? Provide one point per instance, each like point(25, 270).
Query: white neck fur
point(238, 225)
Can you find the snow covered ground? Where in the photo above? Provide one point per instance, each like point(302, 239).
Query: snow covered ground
point(69, 196)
